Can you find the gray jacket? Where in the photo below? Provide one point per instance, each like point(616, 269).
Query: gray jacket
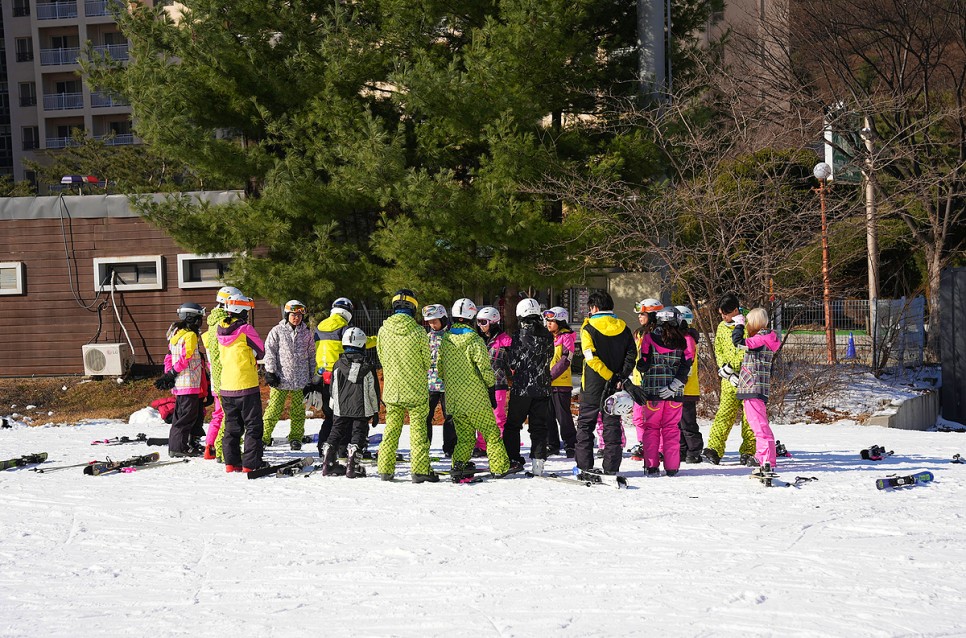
point(290, 353)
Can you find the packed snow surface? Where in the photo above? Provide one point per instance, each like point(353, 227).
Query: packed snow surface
point(190, 550)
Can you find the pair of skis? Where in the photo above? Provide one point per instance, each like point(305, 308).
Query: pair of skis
point(99, 468)
point(26, 459)
point(123, 440)
point(587, 478)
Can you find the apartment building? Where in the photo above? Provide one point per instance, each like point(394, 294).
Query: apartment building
point(42, 42)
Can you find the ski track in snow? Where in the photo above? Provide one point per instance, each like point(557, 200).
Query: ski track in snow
point(189, 550)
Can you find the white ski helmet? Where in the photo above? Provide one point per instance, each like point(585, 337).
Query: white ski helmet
point(488, 315)
point(224, 293)
point(464, 309)
point(528, 307)
point(238, 303)
point(293, 305)
point(648, 305)
point(669, 316)
point(354, 338)
point(557, 313)
point(343, 307)
point(434, 311)
point(619, 404)
point(686, 314)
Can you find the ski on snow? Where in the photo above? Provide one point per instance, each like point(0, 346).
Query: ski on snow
point(272, 469)
point(150, 466)
point(552, 476)
point(594, 476)
point(106, 467)
point(904, 481)
point(123, 440)
point(27, 459)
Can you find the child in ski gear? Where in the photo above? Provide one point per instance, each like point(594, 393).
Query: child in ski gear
point(437, 323)
point(608, 349)
point(239, 347)
point(561, 386)
point(490, 327)
point(728, 358)
point(529, 356)
point(404, 352)
point(190, 382)
point(646, 310)
point(666, 357)
point(214, 436)
point(289, 365)
point(355, 398)
point(465, 366)
point(691, 441)
point(328, 348)
point(754, 379)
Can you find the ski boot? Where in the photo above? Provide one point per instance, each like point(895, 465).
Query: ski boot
point(600, 453)
point(748, 460)
point(330, 466)
point(209, 452)
point(353, 466)
point(432, 477)
point(671, 472)
point(295, 446)
point(652, 471)
point(692, 457)
point(637, 452)
point(536, 466)
point(711, 455)
point(462, 471)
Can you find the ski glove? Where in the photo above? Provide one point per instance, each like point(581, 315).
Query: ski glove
point(166, 381)
point(492, 391)
point(671, 390)
point(272, 379)
point(739, 319)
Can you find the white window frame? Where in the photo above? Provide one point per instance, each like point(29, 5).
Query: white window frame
point(101, 270)
point(184, 263)
point(19, 287)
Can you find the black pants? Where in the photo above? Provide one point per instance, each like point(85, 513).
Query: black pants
point(243, 416)
point(449, 430)
point(187, 422)
point(327, 420)
point(352, 430)
point(587, 425)
point(563, 419)
point(691, 440)
point(537, 411)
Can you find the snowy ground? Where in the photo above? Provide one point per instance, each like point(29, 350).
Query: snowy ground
point(188, 549)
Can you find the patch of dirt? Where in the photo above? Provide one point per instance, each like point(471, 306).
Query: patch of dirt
point(82, 398)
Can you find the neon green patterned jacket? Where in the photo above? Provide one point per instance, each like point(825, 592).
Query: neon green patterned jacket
point(724, 350)
point(403, 349)
point(464, 364)
point(210, 339)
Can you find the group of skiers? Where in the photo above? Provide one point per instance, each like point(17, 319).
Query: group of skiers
point(487, 383)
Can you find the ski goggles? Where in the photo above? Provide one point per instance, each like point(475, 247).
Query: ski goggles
point(483, 323)
point(549, 315)
point(641, 309)
point(298, 310)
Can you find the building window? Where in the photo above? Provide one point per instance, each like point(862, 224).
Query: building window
point(11, 278)
point(21, 8)
point(28, 94)
point(25, 50)
point(203, 271)
point(31, 137)
point(128, 273)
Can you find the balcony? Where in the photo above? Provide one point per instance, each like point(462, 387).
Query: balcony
point(63, 101)
point(53, 57)
point(60, 142)
point(120, 139)
point(116, 51)
point(56, 10)
point(101, 100)
point(93, 8)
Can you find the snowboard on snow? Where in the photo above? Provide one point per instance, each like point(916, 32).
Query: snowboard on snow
point(597, 476)
point(904, 481)
point(27, 459)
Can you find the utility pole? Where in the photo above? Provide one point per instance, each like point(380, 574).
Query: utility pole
point(871, 236)
point(652, 73)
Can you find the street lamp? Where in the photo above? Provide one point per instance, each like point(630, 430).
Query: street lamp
point(822, 172)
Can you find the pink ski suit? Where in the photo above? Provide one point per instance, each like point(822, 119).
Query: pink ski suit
point(753, 385)
point(497, 346)
point(661, 365)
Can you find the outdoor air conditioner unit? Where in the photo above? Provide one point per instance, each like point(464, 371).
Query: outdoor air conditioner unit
point(107, 359)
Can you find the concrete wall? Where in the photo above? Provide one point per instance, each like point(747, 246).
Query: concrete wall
point(917, 413)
